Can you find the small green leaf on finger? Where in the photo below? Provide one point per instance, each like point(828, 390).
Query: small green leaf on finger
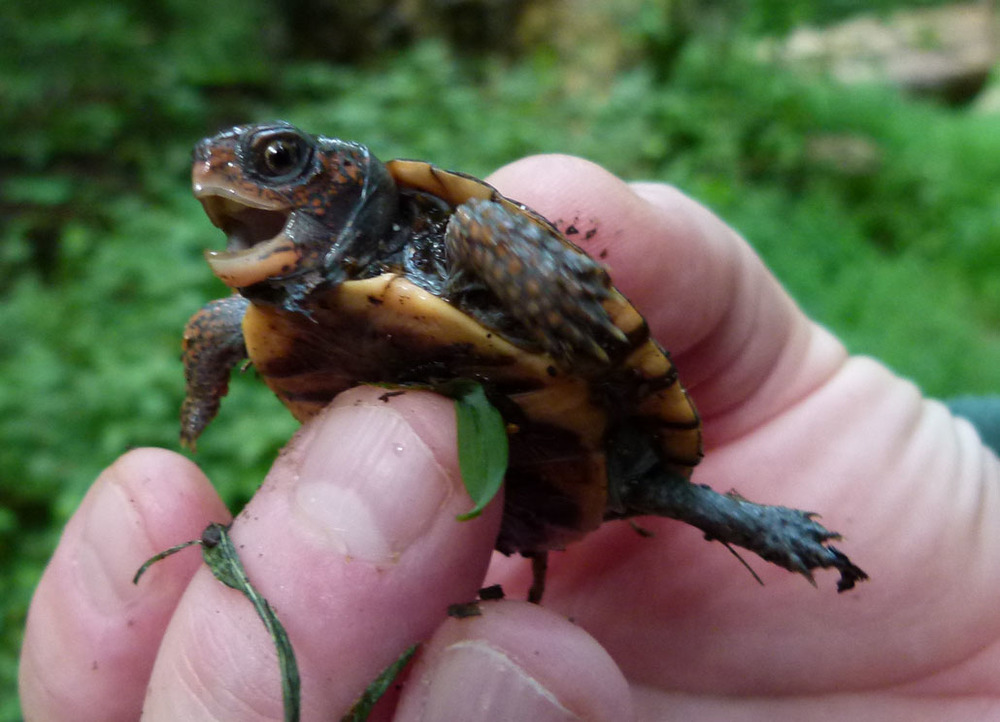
point(482, 444)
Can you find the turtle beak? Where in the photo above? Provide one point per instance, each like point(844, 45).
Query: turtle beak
point(257, 245)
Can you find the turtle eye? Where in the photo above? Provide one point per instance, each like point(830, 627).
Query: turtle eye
point(280, 157)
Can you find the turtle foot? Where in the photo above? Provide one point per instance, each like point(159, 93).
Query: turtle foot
point(790, 538)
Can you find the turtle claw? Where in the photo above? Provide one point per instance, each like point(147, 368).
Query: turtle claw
point(850, 573)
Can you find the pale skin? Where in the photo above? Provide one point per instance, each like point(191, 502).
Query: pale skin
point(665, 628)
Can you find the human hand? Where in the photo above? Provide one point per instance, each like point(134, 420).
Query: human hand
point(353, 538)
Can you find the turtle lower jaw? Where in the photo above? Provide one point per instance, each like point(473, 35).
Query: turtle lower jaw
point(257, 246)
point(271, 259)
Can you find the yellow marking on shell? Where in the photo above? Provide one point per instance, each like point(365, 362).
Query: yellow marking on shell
point(271, 335)
point(683, 448)
point(564, 402)
point(268, 335)
point(389, 300)
point(672, 405)
point(455, 188)
point(650, 361)
point(666, 406)
point(252, 265)
point(623, 314)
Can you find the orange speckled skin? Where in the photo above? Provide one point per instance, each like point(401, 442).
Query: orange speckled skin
point(213, 345)
point(224, 157)
point(350, 271)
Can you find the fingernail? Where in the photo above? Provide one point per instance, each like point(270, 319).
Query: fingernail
point(472, 676)
point(369, 483)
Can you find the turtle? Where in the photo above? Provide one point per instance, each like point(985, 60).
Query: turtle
point(347, 270)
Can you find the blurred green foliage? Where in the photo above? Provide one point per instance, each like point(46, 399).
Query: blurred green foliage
point(882, 215)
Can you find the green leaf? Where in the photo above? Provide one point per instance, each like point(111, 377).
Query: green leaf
point(161, 556)
point(220, 555)
point(363, 707)
point(482, 444)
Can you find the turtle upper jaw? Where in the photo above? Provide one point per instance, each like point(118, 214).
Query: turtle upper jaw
point(257, 245)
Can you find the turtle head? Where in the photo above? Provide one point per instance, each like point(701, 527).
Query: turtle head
point(297, 210)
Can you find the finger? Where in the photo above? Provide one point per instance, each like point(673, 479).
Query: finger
point(517, 661)
point(740, 343)
point(92, 635)
point(353, 540)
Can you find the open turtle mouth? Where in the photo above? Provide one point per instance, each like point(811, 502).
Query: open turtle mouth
point(245, 226)
point(257, 246)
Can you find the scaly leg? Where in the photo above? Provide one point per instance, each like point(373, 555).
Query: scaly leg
point(213, 346)
point(539, 570)
point(790, 538)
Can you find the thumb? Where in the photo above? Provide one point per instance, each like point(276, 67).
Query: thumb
point(514, 661)
point(353, 540)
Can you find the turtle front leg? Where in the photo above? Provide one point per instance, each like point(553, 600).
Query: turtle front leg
point(213, 346)
point(555, 290)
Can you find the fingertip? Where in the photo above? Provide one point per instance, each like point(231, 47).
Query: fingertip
point(91, 634)
point(515, 661)
point(165, 487)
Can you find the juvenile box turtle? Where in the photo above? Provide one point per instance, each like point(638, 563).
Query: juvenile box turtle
point(348, 271)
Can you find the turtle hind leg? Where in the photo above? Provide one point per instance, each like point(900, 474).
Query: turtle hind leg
point(640, 483)
point(553, 289)
point(539, 570)
point(790, 538)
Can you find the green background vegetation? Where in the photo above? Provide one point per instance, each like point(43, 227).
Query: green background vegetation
point(100, 241)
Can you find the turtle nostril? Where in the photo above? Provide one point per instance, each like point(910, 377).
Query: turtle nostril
point(202, 151)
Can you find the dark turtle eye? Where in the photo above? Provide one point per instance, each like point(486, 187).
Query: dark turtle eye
point(281, 157)
point(278, 157)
